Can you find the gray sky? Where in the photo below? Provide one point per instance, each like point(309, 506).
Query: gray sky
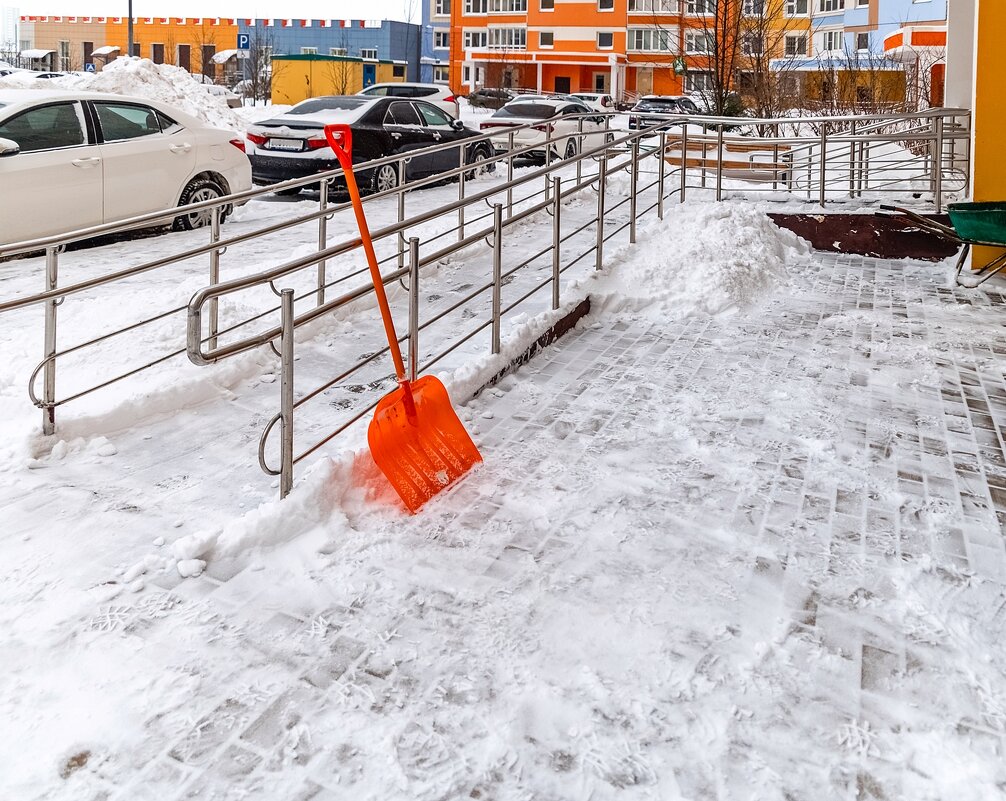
point(316, 9)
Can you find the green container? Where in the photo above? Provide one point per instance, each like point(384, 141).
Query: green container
point(979, 222)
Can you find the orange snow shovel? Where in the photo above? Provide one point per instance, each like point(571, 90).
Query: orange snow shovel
point(415, 437)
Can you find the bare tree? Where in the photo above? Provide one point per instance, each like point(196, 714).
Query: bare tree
point(205, 37)
point(723, 43)
point(259, 69)
point(341, 72)
point(770, 44)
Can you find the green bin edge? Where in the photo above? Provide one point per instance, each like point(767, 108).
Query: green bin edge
point(979, 222)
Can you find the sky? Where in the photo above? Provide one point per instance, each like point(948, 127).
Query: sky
point(315, 9)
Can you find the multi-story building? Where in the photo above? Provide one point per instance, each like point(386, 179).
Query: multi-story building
point(9, 18)
point(436, 55)
point(622, 47)
point(209, 45)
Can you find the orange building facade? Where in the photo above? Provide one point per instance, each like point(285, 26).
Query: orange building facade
point(614, 46)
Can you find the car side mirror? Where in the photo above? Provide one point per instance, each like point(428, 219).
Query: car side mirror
point(8, 147)
point(457, 125)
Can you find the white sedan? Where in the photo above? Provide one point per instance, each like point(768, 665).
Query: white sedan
point(71, 160)
point(571, 127)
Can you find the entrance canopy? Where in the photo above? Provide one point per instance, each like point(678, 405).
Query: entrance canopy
point(107, 50)
point(224, 56)
point(34, 55)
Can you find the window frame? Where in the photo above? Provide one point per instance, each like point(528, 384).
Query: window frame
point(78, 113)
point(97, 104)
point(606, 6)
point(798, 36)
point(707, 38)
point(541, 43)
point(365, 50)
point(441, 8)
point(446, 37)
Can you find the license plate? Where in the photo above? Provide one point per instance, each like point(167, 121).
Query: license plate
point(286, 144)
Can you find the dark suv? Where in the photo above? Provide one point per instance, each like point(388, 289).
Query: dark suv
point(641, 114)
point(490, 98)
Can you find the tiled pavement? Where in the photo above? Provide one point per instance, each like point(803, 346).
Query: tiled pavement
point(818, 553)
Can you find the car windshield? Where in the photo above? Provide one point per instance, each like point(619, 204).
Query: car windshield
point(327, 104)
point(534, 111)
point(659, 102)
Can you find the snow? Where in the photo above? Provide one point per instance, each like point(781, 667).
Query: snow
point(140, 77)
point(723, 544)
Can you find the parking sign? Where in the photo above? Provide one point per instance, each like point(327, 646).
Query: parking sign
point(244, 41)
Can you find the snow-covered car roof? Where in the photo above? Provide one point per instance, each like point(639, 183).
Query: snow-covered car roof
point(325, 110)
point(14, 99)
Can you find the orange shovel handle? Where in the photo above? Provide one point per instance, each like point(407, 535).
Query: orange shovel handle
point(340, 139)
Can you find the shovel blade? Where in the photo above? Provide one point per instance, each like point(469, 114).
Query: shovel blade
point(420, 452)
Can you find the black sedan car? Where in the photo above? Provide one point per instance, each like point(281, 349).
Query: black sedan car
point(642, 114)
point(293, 145)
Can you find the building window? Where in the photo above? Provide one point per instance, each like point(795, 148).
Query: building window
point(753, 8)
point(309, 51)
point(707, 7)
point(157, 53)
point(441, 74)
point(508, 6)
point(475, 7)
point(653, 6)
point(831, 40)
point(475, 39)
point(797, 8)
point(441, 39)
point(368, 53)
point(832, 5)
point(605, 5)
point(751, 44)
point(863, 41)
point(796, 44)
point(64, 56)
point(605, 40)
point(546, 40)
point(508, 38)
point(546, 5)
point(698, 81)
point(442, 8)
point(466, 75)
point(337, 51)
point(867, 2)
point(698, 42)
point(649, 40)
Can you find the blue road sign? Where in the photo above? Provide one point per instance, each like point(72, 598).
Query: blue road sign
point(89, 67)
point(244, 41)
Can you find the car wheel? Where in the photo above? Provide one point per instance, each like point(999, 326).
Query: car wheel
point(481, 159)
point(570, 149)
point(385, 178)
point(291, 192)
point(199, 190)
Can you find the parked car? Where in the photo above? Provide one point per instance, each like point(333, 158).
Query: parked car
point(429, 92)
point(596, 100)
point(490, 98)
point(71, 160)
point(549, 119)
point(233, 100)
point(293, 145)
point(649, 110)
point(529, 96)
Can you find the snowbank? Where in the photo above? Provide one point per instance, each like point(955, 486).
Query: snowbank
point(140, 77)
point(703, 257)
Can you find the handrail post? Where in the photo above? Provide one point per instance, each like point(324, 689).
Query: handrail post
point(509, 175)
point(579, 140)
point(705, 133)
point(556, 237)
point(214, 311)
point(602, 175)
point(775, 156)
point(413, 307)
point(633, 189)
point(822, 172)
point(401, 213)
point(852, 159)
point(684, 161)
point(938, 167)
point(322, 241)
point(49, 377)
point(286, 393)
point(661, 169)
point(497, 275)
point(461, 193)
point(719, 162)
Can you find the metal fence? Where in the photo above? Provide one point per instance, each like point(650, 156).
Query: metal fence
point(847, 160)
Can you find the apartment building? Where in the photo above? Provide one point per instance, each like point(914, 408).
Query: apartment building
point(622, 47)
point(435, 63)
point(209, 45)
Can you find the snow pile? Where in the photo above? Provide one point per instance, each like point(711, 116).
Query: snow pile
point(702, 257)
point(140, 77)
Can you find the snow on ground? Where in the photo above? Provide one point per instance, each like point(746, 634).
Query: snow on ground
point(733, 538)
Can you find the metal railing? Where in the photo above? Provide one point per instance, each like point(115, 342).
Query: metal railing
point(659, 164)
